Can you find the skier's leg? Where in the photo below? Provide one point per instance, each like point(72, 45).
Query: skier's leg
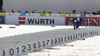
point(78, 25)
point(75, 27)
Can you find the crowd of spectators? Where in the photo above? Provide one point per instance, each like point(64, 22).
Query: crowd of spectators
point(2, 11)
point(44, 11)
point(96, 13)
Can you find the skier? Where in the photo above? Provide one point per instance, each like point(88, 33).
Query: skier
point(77, 21)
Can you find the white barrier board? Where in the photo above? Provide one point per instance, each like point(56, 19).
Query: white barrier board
point(31, 20)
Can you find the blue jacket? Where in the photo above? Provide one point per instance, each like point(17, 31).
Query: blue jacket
point(77, 21)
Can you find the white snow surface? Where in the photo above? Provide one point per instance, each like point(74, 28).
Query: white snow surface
point(88, 47)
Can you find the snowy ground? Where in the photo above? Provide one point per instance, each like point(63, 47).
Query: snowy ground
point(88, 47)
point(5, 31)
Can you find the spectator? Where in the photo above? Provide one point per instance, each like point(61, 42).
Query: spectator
point(13, 11)
point(43, 11)
point(1, 11)
point(66, 12)
point(88, 13)
point(74, 12)
point(84, 12)
point(59, 12)
point(96, 13)
point(38, 12)
point(49, 12)
point(80, 12)
point(26, 11)
point(19, 11)
point(4, 11)
point(32, 11)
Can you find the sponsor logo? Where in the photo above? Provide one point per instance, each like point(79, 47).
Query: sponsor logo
point(88, 21)
point(21, 20)
point(24, 20)
point(91, 21)
point(40, 21)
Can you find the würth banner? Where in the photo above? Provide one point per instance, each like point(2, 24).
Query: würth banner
point(31, 20)
point(89, 21)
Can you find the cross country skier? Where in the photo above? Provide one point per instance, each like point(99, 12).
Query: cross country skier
point(77, 21)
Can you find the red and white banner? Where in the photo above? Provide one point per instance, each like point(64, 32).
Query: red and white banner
point(88, 21)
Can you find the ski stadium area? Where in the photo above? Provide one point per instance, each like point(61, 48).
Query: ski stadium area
point(46, 28)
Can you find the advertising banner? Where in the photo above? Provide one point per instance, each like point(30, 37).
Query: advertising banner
point(2, 19)
point(89, 21)
point(31, 20)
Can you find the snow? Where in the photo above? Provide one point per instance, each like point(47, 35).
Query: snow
point(88, 47)
point(5, 31)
